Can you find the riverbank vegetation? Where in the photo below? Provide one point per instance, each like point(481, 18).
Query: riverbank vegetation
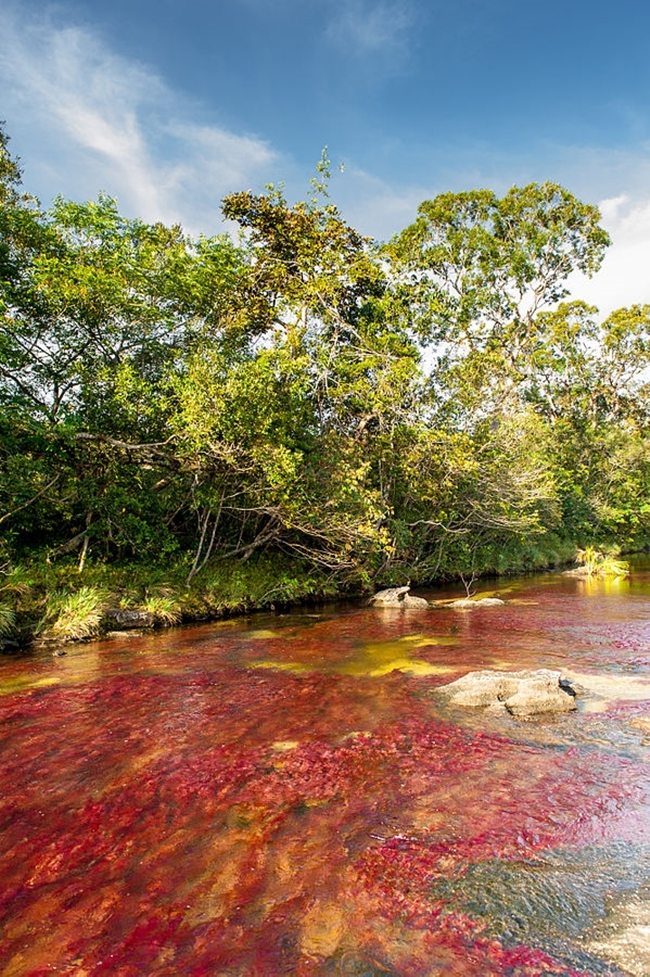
point(293, 410)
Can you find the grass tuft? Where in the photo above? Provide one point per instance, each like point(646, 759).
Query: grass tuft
point(77, 615)
point(165, 609)
point(7, 620)
point(599, 564)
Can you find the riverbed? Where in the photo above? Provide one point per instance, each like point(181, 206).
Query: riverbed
point(286, 794)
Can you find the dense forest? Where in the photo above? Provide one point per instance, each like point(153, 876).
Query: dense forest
point(292, 409)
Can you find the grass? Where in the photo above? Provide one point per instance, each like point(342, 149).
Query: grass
point(166, 610)
point(599, 564)
point(56, 601)
point(7, 620)
point(77, 615)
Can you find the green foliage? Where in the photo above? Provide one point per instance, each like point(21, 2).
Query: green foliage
point(220, 412)
point(479, 269)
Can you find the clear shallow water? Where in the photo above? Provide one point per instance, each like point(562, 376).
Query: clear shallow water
point(284, 795)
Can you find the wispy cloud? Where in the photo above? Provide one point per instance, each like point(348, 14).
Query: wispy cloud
point(374, 206)
point(372, 26)
point(115, 125)
point(84, 119)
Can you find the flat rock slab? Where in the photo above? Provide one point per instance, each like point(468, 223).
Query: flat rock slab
point(526, 693)
point(471, 602)
point(623, 938)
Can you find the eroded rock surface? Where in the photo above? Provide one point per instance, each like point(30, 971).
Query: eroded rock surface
point(411, 601)
point(124, 619)
point(526, 693)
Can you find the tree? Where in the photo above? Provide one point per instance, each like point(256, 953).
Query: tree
point(479, 269)
point(281, 431)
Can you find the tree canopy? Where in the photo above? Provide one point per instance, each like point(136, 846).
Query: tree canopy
point(421, 408)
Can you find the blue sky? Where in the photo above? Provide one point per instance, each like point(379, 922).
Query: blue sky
point(170, 105)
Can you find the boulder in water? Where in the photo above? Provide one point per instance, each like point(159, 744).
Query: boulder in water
point(397, 597)
point(410, 601)
point(526, 693)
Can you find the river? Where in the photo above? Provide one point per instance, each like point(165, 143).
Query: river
point(285, 794)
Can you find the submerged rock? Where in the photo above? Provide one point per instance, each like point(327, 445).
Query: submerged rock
point(397, 597)
point(477, 602)
point(642, 723)
point(410, 601)
point(526, 693)
point(623, 937)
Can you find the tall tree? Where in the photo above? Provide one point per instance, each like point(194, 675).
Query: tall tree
point(478, 269)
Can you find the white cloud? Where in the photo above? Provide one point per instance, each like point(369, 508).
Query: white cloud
point(372, 26)
point(617, 180)
point(104, 122)
point(624, 278)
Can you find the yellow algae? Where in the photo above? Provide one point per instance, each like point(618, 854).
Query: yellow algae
point(642, 722)
point(422, 640)
point(21, 682)
point(499, 592)
point(285, 867)
point(381, 657)
point(593, 585)
point(322, 930)
point(283, 666)
point(414, 666)
point(262, 633)
point(374, 659)
point(216, 893)
point(283, 746)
